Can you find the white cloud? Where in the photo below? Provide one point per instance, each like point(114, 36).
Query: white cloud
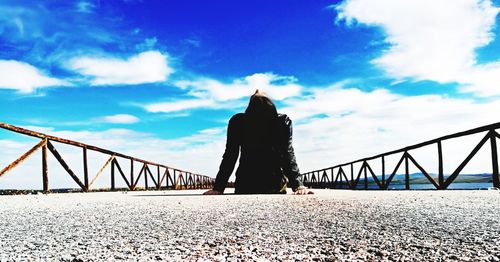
point(482, 80)
point(147, 44)
point(210, 93)
point(145, 67)
point(10, 144)
point(24, 77)
point(431, 40)
point(277, 87)
point(13, 20)
point(118, 119)
point(111, 119)
point(178, 105)
point(19, 24)
point(85, 7)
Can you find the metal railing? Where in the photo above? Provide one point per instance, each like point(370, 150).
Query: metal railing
point(179, 179)
point(325, 177)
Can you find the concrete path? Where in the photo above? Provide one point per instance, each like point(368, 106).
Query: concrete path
point(183, 225)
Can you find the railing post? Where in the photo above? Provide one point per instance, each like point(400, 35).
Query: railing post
point(158, 181)
point(112, 175)
point(174, 186)
point(335, 181)
point(331, 182)
point(383, 173)
point(45, 169)
point(146, 176)
point(407, 172)
point(168, 177)
point(440, 163)
point(494, 159)
point(366, 176)
point(132, 181)
point(352, 172)
point(85, 170)
point(340, 176)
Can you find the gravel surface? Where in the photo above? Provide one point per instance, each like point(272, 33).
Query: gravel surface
point(182, 225)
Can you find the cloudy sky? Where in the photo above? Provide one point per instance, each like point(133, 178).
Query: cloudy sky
point(160, 79)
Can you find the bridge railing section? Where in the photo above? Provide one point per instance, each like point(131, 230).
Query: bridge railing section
point(337, 176)
point(162, 176)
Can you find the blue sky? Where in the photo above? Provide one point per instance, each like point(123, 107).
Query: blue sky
point(222, 40)
point(350, 73)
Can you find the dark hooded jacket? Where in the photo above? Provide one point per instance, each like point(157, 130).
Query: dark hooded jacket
point(267, 165)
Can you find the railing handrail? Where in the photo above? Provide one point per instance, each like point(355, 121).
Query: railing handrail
point(405, 161)
point(419, 145)
point(40, 135)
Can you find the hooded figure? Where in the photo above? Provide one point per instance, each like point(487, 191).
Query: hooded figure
point(267, 162)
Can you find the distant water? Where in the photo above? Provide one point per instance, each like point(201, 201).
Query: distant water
point(452, 186)
point(427, 186)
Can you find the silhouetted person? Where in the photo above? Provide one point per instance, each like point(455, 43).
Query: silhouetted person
point(267, 162)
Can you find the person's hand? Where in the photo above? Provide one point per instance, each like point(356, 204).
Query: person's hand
point(302, 190)
point(212, 192)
